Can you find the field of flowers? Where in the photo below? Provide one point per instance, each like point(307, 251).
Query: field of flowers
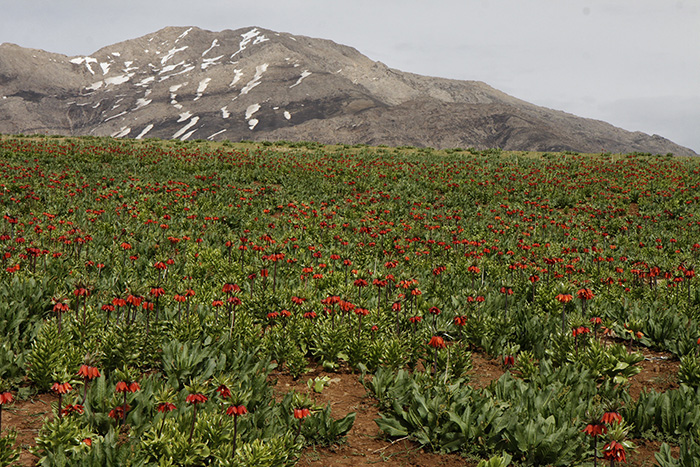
point(155, 286)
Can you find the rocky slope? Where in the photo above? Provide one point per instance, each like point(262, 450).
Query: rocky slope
point(256, 84)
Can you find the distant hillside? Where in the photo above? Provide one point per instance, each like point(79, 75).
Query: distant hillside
point(256, 84)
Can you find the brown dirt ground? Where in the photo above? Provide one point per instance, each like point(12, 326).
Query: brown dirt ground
point(365, 445)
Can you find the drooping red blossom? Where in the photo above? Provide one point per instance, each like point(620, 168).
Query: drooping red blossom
point(88, 372)
point(62, 388)
point(614, 451)
point(437, 342)
point(611, 417)
point(236, 410)
point(197, 398)
point(6, 398)
point(595, 429)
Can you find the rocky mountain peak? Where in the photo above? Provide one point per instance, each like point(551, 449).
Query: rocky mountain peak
point(257, 84)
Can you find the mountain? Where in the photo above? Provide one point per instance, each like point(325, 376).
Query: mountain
point(256, 84)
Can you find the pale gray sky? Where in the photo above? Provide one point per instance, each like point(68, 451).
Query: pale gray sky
point(632, 63)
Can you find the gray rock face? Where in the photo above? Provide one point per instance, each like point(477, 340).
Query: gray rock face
point(256, 84)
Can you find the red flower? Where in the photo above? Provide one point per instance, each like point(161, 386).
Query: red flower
point(88, 372)
point(508, 360)
point(564, 298)
point(70, 408)
point(224, 391)
point(62, 388)
point(415, 319)
point(5, 398)
point(614, 451)
point(611, 417)
point(196, 398)
point(460, 320)
point(595, 429)
point(117, 413)
point(165, 407)
point(229, 288)
point(361, 311)
point(123, 386)
point(88, 441)
point(437, 342)
point(585, 294)
point(237, 410)
point(434, 310)
point(301, 413)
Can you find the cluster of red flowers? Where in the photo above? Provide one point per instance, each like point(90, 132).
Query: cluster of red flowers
point(124, 387)
point(165, 407)
point(437, 342)
point(196, 398)
point(236, 410)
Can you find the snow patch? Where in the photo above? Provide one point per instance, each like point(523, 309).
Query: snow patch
point(114, 116)
point(202, 87)
point(116, 54)
point(182, 130)
point(121, 133)
point(247, 38)
point(251, 110)
point(287, 115)
point(252, 122)
point(141, 102)
point(184, 116)
point(216, 134)
point(225, 113)
point(183, 35)
point(185, 70)
point(145, 81)
point(215, 43)
point(128, 68)
point(175, 87)
point(144, 131)
point(236, 77)
point(95, 86)
point(207, 62)
point(86, 60)
point(259, 70)
point(304, 74)
point(169, 68)
point(118, 79)
point(170, 54)
point(105, 67)
point(187, 135)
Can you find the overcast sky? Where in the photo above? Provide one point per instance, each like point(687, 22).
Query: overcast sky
point(632, 63)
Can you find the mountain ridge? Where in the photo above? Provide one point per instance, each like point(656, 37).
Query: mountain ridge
point(258, 84)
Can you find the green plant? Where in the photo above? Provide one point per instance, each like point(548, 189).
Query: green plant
point(689, 370)
point(689, 453)
point(318, 383)
point(496, 461)
point(8, 453)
